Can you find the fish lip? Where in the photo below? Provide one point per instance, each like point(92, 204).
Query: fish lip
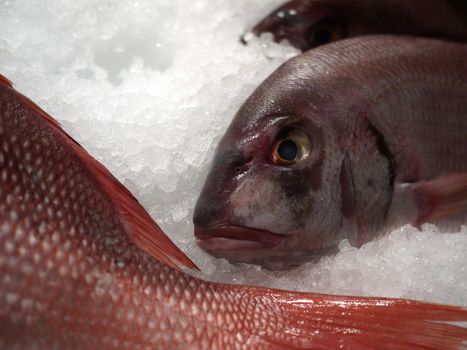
point(233, 237)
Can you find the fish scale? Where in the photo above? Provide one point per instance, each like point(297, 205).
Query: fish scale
point(82, 265)
point(446, 150)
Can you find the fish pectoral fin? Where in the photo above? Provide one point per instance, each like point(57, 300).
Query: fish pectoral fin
point(435, 199)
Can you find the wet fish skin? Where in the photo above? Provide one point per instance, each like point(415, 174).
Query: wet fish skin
point(381, 112)
point(298, 21)
point(76, 270)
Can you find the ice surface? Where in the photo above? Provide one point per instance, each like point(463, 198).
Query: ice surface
point(148, 87)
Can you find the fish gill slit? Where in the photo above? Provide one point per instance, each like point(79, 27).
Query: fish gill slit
point(384, 150)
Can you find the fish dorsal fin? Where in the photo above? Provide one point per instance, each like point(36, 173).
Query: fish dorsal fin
point(5, 81)
point(141, 228)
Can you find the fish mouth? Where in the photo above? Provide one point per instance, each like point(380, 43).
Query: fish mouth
point(232, 237)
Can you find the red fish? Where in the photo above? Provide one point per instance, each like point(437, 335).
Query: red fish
point(83, 266)
point(346, 141)
point(310, 23)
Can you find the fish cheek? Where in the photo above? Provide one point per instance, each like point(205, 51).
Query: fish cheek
point(299, 185)
point(296, 188)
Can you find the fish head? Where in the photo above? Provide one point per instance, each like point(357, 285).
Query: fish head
point(305, 24)
point(273, 193)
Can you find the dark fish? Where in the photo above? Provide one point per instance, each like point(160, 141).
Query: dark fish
point(71, 276)
point(310, 23)
point(349, 141)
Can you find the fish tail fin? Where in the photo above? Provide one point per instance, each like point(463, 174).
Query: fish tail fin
point(140, 227)
point(317, 321)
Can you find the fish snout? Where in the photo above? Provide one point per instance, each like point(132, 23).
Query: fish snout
point(214, 206)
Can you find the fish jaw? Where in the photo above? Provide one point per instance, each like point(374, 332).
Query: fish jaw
point(243, 244)
point(272, 251)
point(235, 238)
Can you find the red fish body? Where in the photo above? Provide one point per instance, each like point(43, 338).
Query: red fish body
point(310, 23)
point(349, 140)
point(76, 269)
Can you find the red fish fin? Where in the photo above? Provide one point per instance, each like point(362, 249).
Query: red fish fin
point(141, 228)
point(440, 198)
point(317, 321)
point(4, 81)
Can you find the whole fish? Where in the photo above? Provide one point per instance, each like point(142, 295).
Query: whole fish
point(83, 266)
point(346, 141)
point(310, 23)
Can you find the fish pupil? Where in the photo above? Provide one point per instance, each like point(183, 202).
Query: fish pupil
point(322, 36)
point(288, 150)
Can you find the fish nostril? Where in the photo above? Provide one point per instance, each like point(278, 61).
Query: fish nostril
point(241, 167)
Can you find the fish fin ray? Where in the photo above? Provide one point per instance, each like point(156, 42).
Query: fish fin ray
point(365, 322)
point(5, 81)
point(441, 197)
point(432, 200)
point(141, 228)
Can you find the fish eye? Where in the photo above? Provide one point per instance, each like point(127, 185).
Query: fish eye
point(290, 147)
point(324, 32)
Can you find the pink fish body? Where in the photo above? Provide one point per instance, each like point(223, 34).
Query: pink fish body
point(346, 141)
point(83, 266)
point(310, 23)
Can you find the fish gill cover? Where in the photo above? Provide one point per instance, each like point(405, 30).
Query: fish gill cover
point(149, 88)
